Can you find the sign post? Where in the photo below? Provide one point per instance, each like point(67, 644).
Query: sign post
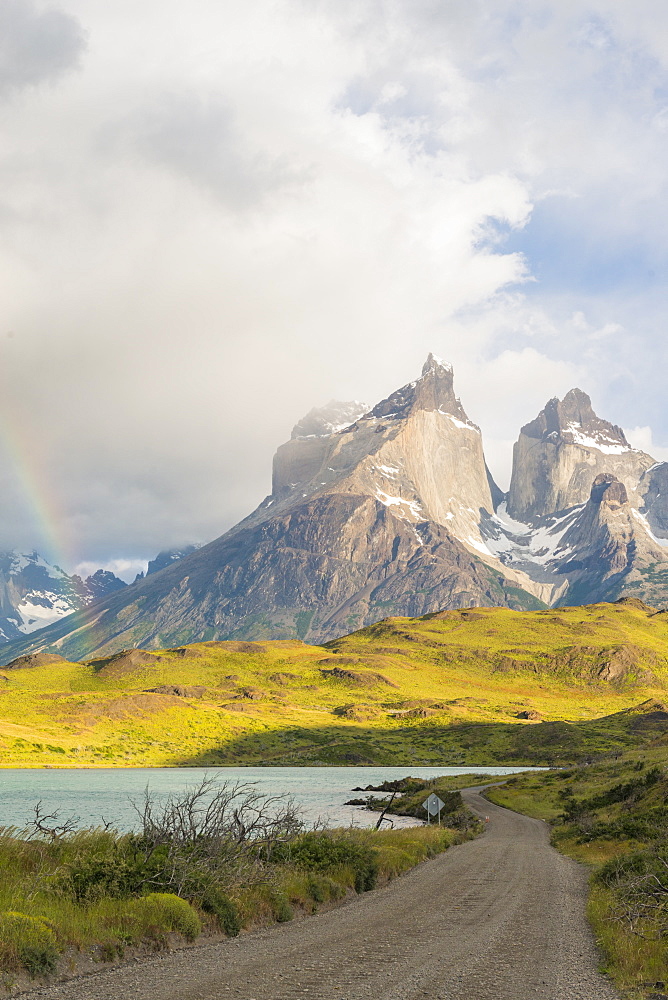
point(433, 805)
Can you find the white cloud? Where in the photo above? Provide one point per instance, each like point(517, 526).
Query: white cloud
point(505, 392)
point(37, 44)
point(643, 439)
point(125, 569)
point(237, 211)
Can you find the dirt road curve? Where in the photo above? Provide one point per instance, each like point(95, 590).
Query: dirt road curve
point(499, 918)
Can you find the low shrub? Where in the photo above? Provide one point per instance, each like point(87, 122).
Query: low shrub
point(225, 911)
point(639, 881)
point(87, 879)
point(167, 912)
point(321, 888)
point(328, 851)
point(28, 942)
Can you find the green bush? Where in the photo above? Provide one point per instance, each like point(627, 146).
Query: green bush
point(628, 792)
point(27, 941)
point(317, 889)
point(325, 851)
point(321, 888)
point(225, 911)
point(650, 864)
point(169, 913)
point(88, 879)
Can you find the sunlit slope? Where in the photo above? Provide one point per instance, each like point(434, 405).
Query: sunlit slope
point(476, 687)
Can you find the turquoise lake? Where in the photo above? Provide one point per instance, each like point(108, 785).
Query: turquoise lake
point(92, 795)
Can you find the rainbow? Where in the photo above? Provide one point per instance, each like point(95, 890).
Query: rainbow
point(48, 519)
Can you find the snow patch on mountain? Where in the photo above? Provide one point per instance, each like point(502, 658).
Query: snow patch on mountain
point(523, 545)
point(413, 506)
point(19, 561)
point(602, 442)
point(38, 611)
point(663, 542)
point(34, 593)
point(462, 424)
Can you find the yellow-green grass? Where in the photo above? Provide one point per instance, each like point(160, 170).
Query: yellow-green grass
point(434, 690)
point(40, 918)
point(621, 816)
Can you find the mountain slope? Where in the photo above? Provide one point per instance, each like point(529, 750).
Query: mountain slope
point(606, 548)
point(653, 490)
point(585, 513)
point(476, 686)
point(392, 510)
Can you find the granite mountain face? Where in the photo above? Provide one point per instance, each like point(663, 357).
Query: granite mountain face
point(391, 510)
point(560, 453)
point(585, 509)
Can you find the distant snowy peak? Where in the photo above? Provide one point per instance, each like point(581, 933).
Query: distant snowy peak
point(434, 364)
point(19, 562)
point(326, 420)
point(434, 390)
point(101, 583)
point(34, 593)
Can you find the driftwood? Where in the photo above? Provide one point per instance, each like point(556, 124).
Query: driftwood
point(382, 815)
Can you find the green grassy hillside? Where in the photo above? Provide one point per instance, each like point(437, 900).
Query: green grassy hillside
point(475, 686)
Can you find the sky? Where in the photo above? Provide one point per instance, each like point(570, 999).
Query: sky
point(216, 216)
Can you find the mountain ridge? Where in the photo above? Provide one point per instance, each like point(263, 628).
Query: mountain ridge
point(391, 509)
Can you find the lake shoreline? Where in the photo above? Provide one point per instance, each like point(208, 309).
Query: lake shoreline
point(94, 795)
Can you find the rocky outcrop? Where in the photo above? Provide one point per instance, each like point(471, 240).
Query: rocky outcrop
point(607, 548)
point(416, 452)
point(560, 453)
point(301, 458)
point(167, 557)
point(101, 583)
point(35, 660)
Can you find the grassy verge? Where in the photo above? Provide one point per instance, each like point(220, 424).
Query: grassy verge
point(214, 862)
point(613, 816)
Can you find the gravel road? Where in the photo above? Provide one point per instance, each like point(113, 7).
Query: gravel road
point(498, 918)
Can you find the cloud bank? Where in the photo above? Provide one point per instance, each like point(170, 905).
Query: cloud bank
point(231, 213)
point(37, 45)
